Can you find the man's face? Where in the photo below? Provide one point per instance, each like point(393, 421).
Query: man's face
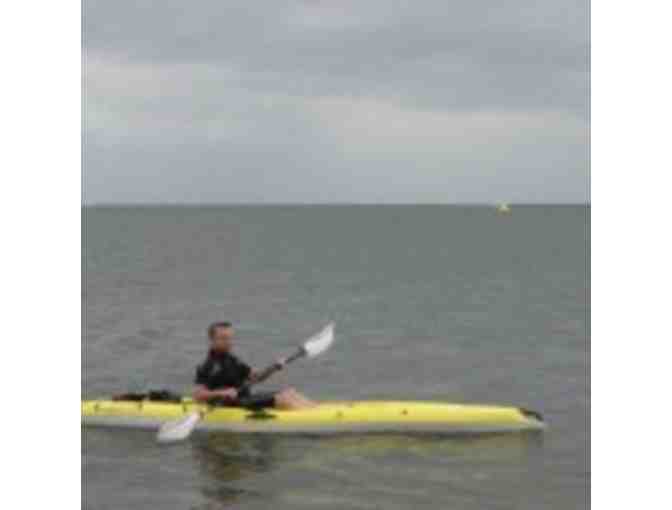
point(222, 340)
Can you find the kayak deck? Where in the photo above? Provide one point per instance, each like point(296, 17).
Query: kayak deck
point(327, 417)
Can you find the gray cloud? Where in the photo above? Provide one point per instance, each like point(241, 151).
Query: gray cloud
point(378, 100)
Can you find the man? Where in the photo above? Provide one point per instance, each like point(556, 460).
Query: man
point(220, 377)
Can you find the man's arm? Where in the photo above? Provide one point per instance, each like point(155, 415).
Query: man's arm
point(256, 376)
point(203, 394)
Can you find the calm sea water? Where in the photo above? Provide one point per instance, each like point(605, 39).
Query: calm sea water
point(430, 302)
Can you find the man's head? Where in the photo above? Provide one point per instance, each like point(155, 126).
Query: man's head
point(221, 336)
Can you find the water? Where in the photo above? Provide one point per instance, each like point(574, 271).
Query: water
point(430, 302)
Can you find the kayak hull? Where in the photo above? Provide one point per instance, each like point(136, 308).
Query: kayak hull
point(326, 418)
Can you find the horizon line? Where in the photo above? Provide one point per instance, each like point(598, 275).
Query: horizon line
point(326, 204)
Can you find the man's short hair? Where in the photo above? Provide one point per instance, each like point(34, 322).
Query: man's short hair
point(216, 325)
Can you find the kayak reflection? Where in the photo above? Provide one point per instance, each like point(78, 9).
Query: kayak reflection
point(225, 459)
point(260, 468)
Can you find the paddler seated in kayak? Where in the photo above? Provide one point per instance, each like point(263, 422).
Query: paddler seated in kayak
point(220, 377)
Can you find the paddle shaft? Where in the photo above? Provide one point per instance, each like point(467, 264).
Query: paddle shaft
point(271, 369)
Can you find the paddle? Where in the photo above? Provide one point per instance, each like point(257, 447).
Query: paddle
point(180, 429)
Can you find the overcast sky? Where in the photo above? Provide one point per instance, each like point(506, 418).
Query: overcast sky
point(336, 101)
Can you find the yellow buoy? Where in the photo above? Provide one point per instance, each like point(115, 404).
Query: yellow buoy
point(504, 208)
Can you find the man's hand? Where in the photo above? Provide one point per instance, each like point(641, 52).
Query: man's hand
point(228, 393)
point(203, 394)
point(280, 363)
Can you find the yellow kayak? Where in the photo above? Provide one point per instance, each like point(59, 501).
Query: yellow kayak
point(325, 418)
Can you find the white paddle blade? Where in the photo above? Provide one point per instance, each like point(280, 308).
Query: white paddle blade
point(177, 430)
point(320, 342)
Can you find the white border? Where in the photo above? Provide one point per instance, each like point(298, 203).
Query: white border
point(41, 257)
point(631, 255)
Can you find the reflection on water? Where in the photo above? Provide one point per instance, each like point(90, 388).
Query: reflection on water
point(266, 469)
point(227, 458)
point(221, 470)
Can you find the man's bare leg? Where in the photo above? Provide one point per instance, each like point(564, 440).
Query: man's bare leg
point(291, 399)
point(301, 399)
